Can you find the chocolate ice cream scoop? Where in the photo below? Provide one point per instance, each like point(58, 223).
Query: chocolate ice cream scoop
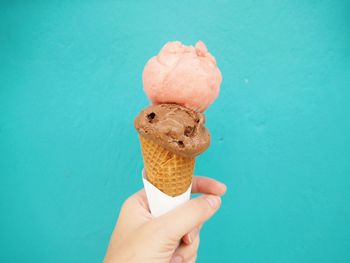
point(176, 128)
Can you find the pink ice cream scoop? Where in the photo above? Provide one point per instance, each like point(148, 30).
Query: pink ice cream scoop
point(184, 75)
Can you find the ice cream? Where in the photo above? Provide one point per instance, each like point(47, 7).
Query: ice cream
point(176, 128)
point(181, 82)
point(183, 75)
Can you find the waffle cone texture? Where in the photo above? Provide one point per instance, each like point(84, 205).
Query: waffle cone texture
point(169, 172)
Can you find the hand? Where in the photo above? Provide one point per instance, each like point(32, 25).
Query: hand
point(173, 237)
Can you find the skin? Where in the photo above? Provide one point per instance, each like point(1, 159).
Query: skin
point(173, 237)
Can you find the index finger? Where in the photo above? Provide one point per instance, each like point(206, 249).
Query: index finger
point(205, 185)
point(200, 184)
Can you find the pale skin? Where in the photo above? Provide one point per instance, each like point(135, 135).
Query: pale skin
point(173, 237)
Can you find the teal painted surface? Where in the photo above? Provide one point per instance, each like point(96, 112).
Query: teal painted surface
point(70, 86)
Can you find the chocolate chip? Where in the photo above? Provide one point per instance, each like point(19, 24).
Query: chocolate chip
point(151, 117)
point(181, 144)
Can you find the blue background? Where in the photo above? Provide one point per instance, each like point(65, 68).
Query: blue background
point(71, 85)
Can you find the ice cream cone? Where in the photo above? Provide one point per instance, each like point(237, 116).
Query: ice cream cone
point(181, 82)
point(169, 172)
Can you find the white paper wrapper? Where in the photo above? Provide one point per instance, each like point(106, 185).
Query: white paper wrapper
point(161, 203)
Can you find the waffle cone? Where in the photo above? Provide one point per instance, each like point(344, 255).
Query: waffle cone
point(169, 172)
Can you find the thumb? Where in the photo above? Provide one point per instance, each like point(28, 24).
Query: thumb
point(185, 217)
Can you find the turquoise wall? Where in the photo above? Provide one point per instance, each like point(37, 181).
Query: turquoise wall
point(70, 86)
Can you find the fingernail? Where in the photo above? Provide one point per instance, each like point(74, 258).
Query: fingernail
point(193, 235)
point(223, 185)
point(187, 239)
point(214, 201)
point(190, 239)
point(177, 259)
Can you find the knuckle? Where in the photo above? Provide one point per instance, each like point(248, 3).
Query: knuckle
point(202, 205)
point(194, 259)
point(196, 242)
point(191, 251)
point(127, 202)
point(191, 254)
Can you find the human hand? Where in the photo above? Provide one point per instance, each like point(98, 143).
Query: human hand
point(173, 237)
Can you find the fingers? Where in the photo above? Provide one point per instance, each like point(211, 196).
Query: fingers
point(136, 207)
point(205, 185)
point(189, 215)
point(189, 237)
point(138, 198)
point(186, 253)
point(200, 184)
point(142, 198)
